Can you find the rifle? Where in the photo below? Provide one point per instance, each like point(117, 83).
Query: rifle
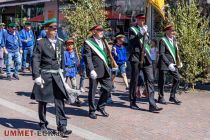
point(113, 63)
point(144, 42)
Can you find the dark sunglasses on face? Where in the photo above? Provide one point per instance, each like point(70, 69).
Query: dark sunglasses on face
point(53, 27)
point(100, 30)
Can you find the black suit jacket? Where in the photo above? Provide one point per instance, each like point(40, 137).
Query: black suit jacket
point(165, 57)
point(94, 62)
point(136, 47)
point(45, 57)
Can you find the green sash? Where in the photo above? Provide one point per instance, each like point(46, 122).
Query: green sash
point(136, 31)
point(170, 47)
point(95, 47)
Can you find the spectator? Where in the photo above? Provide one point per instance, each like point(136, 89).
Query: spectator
point(28, 42)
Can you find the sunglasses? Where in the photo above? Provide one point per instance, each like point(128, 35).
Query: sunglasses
point(100, 30)
point(53, 27)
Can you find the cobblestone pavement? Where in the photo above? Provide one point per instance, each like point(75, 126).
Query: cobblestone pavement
point(189, 121)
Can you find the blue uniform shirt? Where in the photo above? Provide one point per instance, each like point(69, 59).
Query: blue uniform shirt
point(12, 41)
point(24, 35)
point(42, 34)
point(1, 38)
point(82, 60)
point(121, 58)
point(2, 32)
point(70, 62)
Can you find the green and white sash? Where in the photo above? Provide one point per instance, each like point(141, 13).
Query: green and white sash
point(170, 47)
point(95, 47)
point(136, 31)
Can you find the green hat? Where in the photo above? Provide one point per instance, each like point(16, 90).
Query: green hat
point(120, 36)
point(28, 23)
point(53, 20)
point(12, 25)
point(109, 41)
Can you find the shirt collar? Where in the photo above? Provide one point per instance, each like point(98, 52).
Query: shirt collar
point(170, 38)
point(96, 39)
point(52, 40)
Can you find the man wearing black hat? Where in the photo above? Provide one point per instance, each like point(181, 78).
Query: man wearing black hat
point(95, 56)
point(136, 35)
point(27, 39)
point(169, 62)
point(48, 87)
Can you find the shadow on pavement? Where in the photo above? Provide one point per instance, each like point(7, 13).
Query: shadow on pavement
point(22, 93)
point(19, 124)
point(71, 111)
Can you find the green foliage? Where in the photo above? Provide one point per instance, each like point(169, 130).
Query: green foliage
point(193, 40)
point(79, 21)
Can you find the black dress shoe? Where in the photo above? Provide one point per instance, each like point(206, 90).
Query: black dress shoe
point(16, 76)
point(176, 101)
point(103, 112)
point(161, 100)
point(92, 115)
point(64, 132)
point(154, 108)
point(78, 102)
point(134, 106)
point(43, 129)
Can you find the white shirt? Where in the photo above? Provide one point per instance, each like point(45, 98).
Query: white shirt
point(171, 40)
point(143, 29)
point(53, 42)
point(100, 43)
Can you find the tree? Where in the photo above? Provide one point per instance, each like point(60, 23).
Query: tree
point(193, 40)
point(79, 21)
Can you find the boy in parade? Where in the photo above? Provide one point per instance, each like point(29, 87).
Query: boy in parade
point(71, 62)
point(120, 55)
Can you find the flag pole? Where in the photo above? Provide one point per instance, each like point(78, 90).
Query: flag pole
point(144, 38)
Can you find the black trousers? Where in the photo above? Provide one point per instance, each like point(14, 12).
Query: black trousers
point(106, 86)
point(149, 82)
point(162, 79)
point(61, 120)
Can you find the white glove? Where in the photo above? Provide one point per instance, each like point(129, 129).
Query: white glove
point(180, 66)
point(145, 28)
point(39, 81)
point(93, 74)
point(171, 67)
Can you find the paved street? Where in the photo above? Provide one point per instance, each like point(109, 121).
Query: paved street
point(190, 121)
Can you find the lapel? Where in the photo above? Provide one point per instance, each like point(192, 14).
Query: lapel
point(98, 44)
point(50, 47)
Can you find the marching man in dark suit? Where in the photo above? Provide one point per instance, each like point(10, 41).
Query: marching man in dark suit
point(169, 62)
point(49, 87)
point(136, 34)
point(95, 56)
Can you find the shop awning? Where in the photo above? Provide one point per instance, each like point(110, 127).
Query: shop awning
point(113, 15)
point(40, 18)
point(8, 3)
